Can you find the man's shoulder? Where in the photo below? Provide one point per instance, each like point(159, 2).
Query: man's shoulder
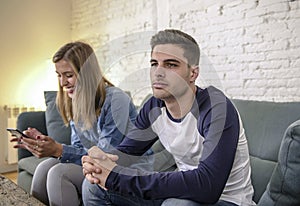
point(209, 91)
point(211, 97)
point(153, 102)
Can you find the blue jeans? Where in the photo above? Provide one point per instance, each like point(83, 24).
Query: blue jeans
point(93, 195)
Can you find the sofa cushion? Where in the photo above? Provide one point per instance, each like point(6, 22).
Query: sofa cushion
point(54, 123)
point(261, 172)
point(35, 119)
point(284, 186)
point(265, 121)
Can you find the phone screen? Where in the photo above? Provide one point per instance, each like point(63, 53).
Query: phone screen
point(16, 133)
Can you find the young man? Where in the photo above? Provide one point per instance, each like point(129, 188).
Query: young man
point(199, 127)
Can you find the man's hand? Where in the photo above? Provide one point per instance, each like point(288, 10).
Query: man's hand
point(98, 165)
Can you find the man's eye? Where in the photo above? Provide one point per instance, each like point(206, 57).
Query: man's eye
point(170, 65)
point(153, 64)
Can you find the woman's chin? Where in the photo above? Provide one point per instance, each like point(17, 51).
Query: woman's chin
point(71, 94)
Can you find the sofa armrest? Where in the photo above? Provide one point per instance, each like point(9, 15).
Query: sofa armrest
point(35, 119)
point(284, 185)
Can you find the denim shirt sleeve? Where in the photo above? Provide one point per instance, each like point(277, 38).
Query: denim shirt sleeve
point(73, 153)
point(109, 130)
point(117, 112)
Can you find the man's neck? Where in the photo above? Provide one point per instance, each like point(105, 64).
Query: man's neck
point(178, 107)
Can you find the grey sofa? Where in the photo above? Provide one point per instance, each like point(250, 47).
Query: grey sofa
point(272, 129)
point(273, 133)
point(48, 122)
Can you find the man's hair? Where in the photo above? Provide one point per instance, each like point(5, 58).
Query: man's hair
point(181, 39)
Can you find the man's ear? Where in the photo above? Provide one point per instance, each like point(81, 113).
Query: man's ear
point(194, 73)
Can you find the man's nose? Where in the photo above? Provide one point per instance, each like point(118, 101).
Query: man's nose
point(159, 71)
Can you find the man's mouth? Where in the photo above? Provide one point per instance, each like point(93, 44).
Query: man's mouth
point(159, 85)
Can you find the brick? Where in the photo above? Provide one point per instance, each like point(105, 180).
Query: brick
point(293, 83)
point(226, 51)
point(274, 64)
point(267, 46)
point(296, 63)
point(278, 94)
point(294, 42)
point(253, 21)
point(278, 7)
point(279, 73)
point(226, 19)
point(277, 34)
point(293, 24)
point(213, 10)
point(253, 83)
point(256, 12)
point(274, 55)
point(246, 6)
point(236, 3)
point(253, 57)
point(267, 3)
point(255, 91)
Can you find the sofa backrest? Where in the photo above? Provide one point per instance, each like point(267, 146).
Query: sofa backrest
point(54, 123)
point(265, 124)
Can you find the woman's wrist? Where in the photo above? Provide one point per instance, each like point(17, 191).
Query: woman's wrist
point(59, 151)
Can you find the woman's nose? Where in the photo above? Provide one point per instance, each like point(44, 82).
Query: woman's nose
point(63, 81)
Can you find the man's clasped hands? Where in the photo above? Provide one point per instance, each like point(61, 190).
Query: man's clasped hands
point(97, 165)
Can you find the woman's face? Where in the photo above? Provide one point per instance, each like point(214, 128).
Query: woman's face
point(66, 76)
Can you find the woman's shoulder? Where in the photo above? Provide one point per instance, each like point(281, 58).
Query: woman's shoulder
point(115, 93)
point(112, 90)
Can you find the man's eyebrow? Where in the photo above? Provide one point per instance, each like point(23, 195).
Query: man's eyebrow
point(172, 60)
point(166, 60)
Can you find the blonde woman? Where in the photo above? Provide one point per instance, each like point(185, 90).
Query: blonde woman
point(98, 114)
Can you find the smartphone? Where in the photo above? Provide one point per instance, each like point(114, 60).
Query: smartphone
point(16, 133)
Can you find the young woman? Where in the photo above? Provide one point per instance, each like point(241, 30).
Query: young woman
point(98, 114)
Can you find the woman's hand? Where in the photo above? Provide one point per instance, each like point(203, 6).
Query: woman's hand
point(38, 144)
point(30, 132)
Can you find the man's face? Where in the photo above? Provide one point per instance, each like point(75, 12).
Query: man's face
point(170, 73)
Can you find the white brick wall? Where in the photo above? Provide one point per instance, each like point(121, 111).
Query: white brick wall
point(250, 48)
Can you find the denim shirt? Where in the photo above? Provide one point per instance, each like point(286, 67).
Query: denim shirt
point(107, 132)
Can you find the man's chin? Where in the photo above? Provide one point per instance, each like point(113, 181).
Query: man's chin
point(161, 95)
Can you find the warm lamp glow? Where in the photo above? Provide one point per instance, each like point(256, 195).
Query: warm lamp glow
point(41, 79)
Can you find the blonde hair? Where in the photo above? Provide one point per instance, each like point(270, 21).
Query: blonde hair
point(89, 94)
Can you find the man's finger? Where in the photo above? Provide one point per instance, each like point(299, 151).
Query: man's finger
point(113, 157)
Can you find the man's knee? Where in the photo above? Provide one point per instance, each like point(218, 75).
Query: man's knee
point(179, 202)
point(92, 194)
point(88, 187)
